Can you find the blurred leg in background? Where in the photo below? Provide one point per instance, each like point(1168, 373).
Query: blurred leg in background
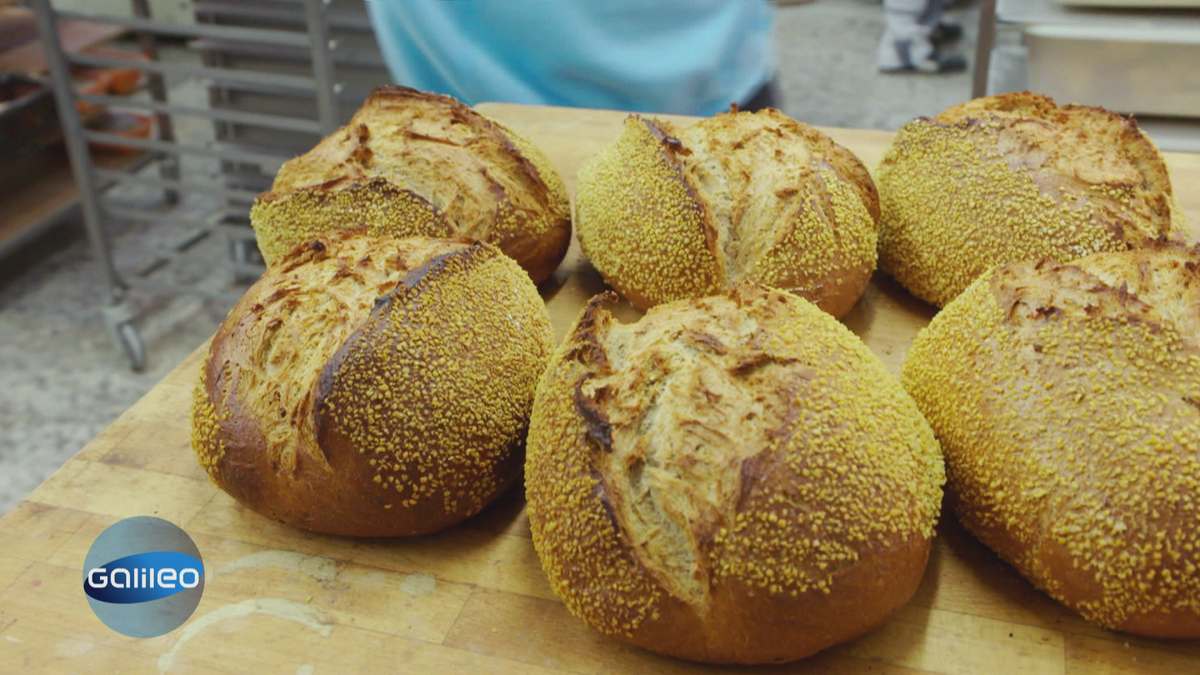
point(767, 96)
point(914, 36)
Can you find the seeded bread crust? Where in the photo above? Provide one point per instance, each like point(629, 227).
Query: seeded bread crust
point(373, 387)
point(1016, 177)
point(411, 163)
point(734, 479)
point(666, 213)
point(1067, 400)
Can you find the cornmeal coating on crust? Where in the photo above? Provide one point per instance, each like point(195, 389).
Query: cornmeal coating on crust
point(733, 479)
point(667, 213)
point(373, 387)
point(1015, 177)
point(1067, 400)
point(411, 163)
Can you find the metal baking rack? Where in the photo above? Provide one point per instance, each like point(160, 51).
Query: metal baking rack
point(272, 89)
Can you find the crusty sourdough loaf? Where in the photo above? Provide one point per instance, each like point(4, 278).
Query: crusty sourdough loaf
point(1015, 177)
point(411, 163)
point(373, 387)
point(1067, 400)
point(733, 479)
point(666, 213)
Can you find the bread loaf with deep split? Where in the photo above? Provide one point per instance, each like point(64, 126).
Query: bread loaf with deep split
point(666, 213)
point(733, 479)
point(1067, 400)
point(373, 386)
point(410, 163)
point(1016, 177)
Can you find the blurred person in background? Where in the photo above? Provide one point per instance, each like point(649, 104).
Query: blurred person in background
point(914, 36)
point(665, 56)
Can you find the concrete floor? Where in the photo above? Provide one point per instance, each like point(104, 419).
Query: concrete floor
point(61, 382)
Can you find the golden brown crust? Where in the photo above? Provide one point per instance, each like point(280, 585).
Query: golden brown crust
point(734, 479)
point(668, 213)
point(1067, 400)
point(637, 183)
point(411, 163)
point(373, 387)
point(1015, 177)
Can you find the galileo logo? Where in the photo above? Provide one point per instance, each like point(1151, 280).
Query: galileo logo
point(143, 577)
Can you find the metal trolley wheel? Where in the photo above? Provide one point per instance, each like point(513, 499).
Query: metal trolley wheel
point(118, 321)
point(130, 342)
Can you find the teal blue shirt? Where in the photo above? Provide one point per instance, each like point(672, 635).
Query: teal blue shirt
point(668, 56)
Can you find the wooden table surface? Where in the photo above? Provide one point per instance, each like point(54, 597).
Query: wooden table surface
point(473, 598)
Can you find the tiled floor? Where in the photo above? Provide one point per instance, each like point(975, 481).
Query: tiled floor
point(61, 382)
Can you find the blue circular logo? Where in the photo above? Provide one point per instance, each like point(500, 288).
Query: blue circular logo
point(143, 577)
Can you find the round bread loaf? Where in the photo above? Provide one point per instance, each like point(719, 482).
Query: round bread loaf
point(373, 387)
point(416, 164)
point(666, 213)
point(1067, 400)
point(1015, 177)
point(734, 479)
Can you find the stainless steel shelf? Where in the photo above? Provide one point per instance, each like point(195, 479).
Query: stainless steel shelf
point(308, 85)
point(1052, 12)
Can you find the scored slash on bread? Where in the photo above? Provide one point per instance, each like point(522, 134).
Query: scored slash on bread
point(1067, 400)
point(666, 213)
point(1016, 177)
point(373, 387)
point(732, 479)
point(410, 163)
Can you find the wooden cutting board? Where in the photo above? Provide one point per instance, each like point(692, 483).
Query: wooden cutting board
point(473, 598)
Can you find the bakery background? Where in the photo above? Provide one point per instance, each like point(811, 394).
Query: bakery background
point(63, 380)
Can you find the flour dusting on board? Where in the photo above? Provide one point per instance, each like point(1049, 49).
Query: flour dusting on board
point(73, 648)
point(318, 567)
point(418, 584)
point(305, 670)
point(284, 609)
point(13, 638)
